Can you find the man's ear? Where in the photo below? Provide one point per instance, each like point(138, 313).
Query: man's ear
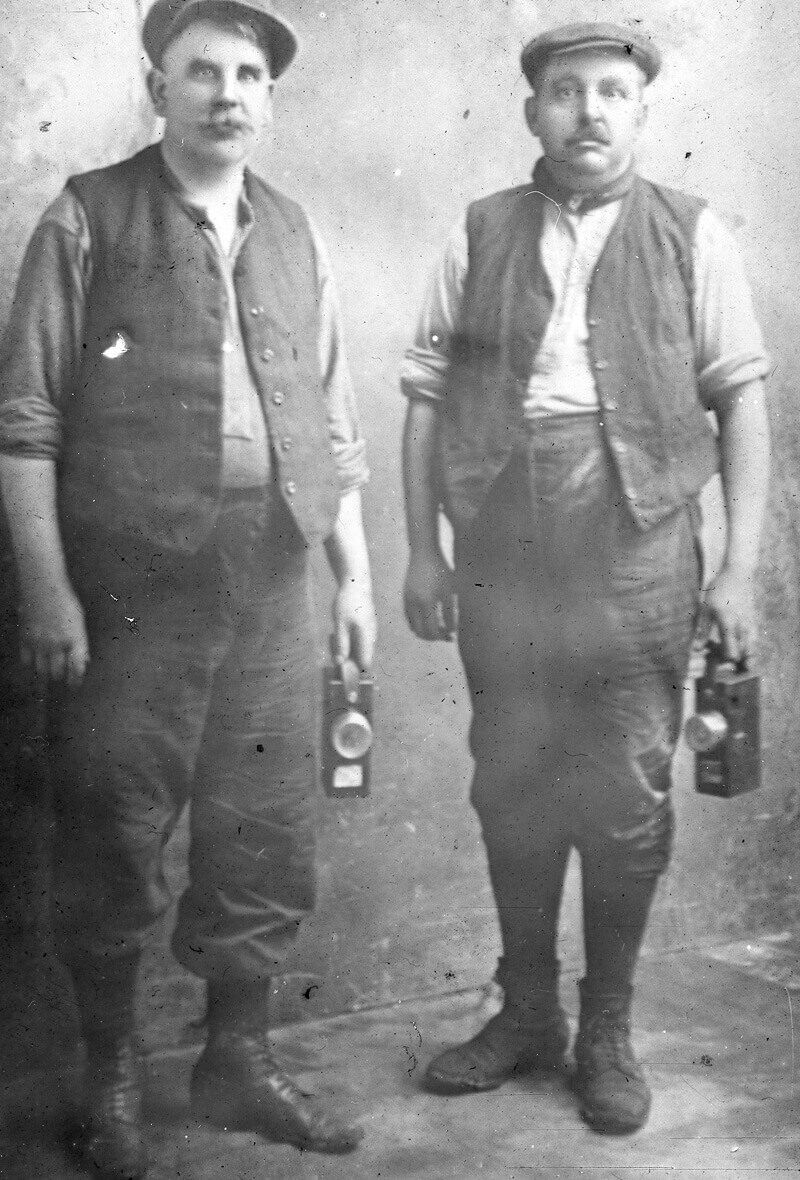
point(644, 111)
point(531, 114)
point(156, 88)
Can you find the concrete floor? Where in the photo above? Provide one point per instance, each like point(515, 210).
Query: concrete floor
point(717, 1040)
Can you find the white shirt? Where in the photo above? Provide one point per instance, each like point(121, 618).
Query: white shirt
point(729, 349)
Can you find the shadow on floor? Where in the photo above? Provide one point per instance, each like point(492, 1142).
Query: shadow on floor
point(717, 1042)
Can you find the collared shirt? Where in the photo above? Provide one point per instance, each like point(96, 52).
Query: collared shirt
point(729, 348)
point(41, 351)
point(246, 458)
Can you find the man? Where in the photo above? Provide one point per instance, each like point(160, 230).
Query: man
point(573, 338)
point(177, 428)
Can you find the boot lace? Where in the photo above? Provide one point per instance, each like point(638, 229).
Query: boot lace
point(115, 1084)
point(607, 1046)
point(254, 1046)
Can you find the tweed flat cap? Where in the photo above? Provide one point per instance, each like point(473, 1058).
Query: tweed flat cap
point(571, 38)
point(167, 17)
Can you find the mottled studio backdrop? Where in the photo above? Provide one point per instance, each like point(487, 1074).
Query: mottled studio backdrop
point(397, 114)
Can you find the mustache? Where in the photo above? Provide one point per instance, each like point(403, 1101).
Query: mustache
point(593, 136)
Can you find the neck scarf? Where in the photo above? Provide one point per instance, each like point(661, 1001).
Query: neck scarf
point(580, 202)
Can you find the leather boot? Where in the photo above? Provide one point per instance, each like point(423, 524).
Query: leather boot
point(529, 1033)
point(108, 1137)
point(615, 1098)
point(238, 1086)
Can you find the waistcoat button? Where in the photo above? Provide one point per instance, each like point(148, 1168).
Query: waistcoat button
point(286, 443)
point(277, 397)
point(267, 355)
point(601, 365)
point(255, 311)
point(290, 488)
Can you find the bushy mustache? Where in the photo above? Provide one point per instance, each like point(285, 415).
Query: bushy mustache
point(594, 135)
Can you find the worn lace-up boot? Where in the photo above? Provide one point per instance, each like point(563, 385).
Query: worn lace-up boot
point(615, 1098)
point(108, 1136)
point(529, 1033)
point(238, 1085)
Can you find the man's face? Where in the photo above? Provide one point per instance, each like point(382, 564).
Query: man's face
point(587, 112)
point(215, 92)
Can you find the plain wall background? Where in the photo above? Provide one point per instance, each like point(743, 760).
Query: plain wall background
point(398, 113)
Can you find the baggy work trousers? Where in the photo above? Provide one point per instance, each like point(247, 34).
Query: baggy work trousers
point(574, 629)
point(202, 688)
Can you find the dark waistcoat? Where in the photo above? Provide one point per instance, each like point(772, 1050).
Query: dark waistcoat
point(640, 344)
point(143, 441)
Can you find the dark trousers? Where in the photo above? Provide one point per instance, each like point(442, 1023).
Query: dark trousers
point(202, 689)
point(575, 631)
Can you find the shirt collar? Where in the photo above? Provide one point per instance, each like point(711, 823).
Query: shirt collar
point(198, 212)
point(576, 202)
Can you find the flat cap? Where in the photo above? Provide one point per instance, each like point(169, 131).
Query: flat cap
point(591, 35)
point(167, 17)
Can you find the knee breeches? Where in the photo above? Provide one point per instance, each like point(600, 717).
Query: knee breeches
point(202, 690)
point(575, 630)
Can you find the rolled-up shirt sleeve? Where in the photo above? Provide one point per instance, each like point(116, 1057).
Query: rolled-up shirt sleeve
point(40, 348)
point(729, 348)
point(424, 369)
point(347, 441)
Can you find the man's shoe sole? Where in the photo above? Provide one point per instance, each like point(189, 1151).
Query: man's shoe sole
point(610, 1126)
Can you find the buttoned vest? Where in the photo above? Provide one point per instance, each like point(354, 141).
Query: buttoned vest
point(143, 435)
point(641, 347)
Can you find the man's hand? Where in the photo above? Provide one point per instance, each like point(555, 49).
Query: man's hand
point(354, 624)
point(53, 639)
point(429, 599)
point(729, 602)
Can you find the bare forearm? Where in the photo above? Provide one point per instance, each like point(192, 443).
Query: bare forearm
point(53, 638)
point(346, 548)
point(28, 489)
point(419, 478)
point(744, 443)
point(745, 448)
point(428, 593)
point(354, 624)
